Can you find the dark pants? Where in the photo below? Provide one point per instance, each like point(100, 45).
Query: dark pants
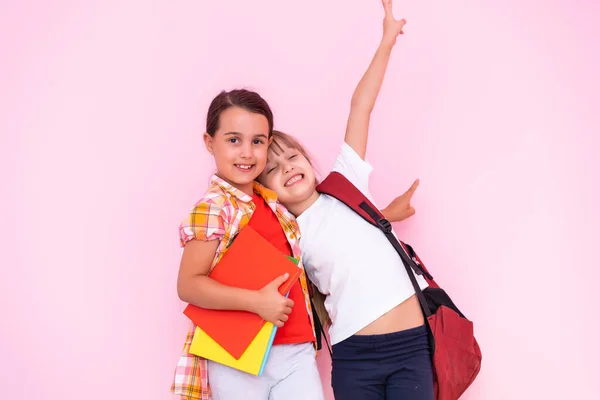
point(393, 366)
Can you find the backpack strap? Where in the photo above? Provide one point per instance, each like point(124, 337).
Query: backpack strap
point(338, 186)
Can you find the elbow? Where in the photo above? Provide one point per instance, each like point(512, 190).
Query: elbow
point(181, 294)
point(190, 290)
point(182, 291)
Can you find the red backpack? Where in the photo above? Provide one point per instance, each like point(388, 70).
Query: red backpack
point(455, 353)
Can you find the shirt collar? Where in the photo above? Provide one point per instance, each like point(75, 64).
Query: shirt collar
point(268, 195)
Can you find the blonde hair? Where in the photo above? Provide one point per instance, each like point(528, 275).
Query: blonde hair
point(279, 139)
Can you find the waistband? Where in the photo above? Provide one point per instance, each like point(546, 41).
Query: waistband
point(406, 334)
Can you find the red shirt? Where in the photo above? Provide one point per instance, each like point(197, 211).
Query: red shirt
point(298, 328)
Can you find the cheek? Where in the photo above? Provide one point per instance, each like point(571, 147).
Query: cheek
point(218, 154)
point(260, 153)
point(306, 167)
point(261, 159)
point(310, 172)
point(272, 182)
point(223, 152)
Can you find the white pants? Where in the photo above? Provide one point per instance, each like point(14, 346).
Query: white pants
point(290, 374)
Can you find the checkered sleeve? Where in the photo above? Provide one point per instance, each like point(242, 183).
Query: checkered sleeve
point(205, 222)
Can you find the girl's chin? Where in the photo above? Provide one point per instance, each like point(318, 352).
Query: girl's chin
point(240, 179)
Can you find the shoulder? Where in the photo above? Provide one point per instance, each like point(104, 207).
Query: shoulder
point(353, 167)
point(209, 218)
point(215, 201)
point(348, 155)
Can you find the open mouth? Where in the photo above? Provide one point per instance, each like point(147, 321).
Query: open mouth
point(294, 179)
point(244, 167)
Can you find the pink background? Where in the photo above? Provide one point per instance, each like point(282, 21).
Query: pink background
point(492, 104)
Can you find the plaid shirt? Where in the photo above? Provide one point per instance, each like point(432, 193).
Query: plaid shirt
point(220, 215)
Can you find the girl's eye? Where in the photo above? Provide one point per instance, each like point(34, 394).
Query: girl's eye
point(293, 156)
point(257, 141)
point(270, 170)
point(233, 140)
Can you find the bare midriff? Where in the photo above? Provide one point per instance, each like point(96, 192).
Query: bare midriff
point(405, 315)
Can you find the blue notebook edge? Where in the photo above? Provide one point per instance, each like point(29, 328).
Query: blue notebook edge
point(267, 352)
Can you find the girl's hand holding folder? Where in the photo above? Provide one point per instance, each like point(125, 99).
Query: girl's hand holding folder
point(271, 305)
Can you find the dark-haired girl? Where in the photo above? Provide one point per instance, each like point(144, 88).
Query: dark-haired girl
point(239, 128)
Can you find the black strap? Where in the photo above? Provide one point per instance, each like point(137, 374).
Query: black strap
point(338, 186)
point(386, 227)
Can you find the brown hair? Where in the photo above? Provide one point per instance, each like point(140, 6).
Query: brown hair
point(281, 138)
point(246, 99)
point(318, 300)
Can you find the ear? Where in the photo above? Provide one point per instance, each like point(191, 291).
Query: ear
point(270, 140)
point(208, 142)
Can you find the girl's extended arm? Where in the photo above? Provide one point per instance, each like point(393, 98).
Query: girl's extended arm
point(368, 88)
point(400, 208)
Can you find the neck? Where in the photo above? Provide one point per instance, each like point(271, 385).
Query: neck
point(247, 188)
point(302, 206)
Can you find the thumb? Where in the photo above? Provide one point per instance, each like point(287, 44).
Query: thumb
point(280, 280)
point(400, 25)
point(410, 212)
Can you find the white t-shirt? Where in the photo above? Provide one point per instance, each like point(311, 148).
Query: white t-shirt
point(349, 260)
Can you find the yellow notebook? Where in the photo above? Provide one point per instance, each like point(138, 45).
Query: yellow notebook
point(252, 360)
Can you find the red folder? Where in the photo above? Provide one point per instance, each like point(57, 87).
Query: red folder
point(251, 262)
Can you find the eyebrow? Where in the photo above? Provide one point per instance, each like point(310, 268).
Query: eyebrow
point(262, 135)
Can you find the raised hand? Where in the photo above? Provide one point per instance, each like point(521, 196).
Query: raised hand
point(400, 208)
point(391, 27)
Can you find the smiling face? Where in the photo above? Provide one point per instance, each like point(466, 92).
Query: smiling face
point(290, 174)
point(239, 147)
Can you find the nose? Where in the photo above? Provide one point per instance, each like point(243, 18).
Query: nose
point(288, 167)
point(246, 151)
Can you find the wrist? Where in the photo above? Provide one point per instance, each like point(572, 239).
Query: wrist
point(252, 301)
point(387, 44)
point(385, 214)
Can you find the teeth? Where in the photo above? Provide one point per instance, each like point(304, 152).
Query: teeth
point(293, 180)
point(244, 166)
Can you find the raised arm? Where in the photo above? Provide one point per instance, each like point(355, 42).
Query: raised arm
point(368, 88)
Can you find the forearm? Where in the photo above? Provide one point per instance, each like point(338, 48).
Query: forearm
point(368, 88)
point(205, 292)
